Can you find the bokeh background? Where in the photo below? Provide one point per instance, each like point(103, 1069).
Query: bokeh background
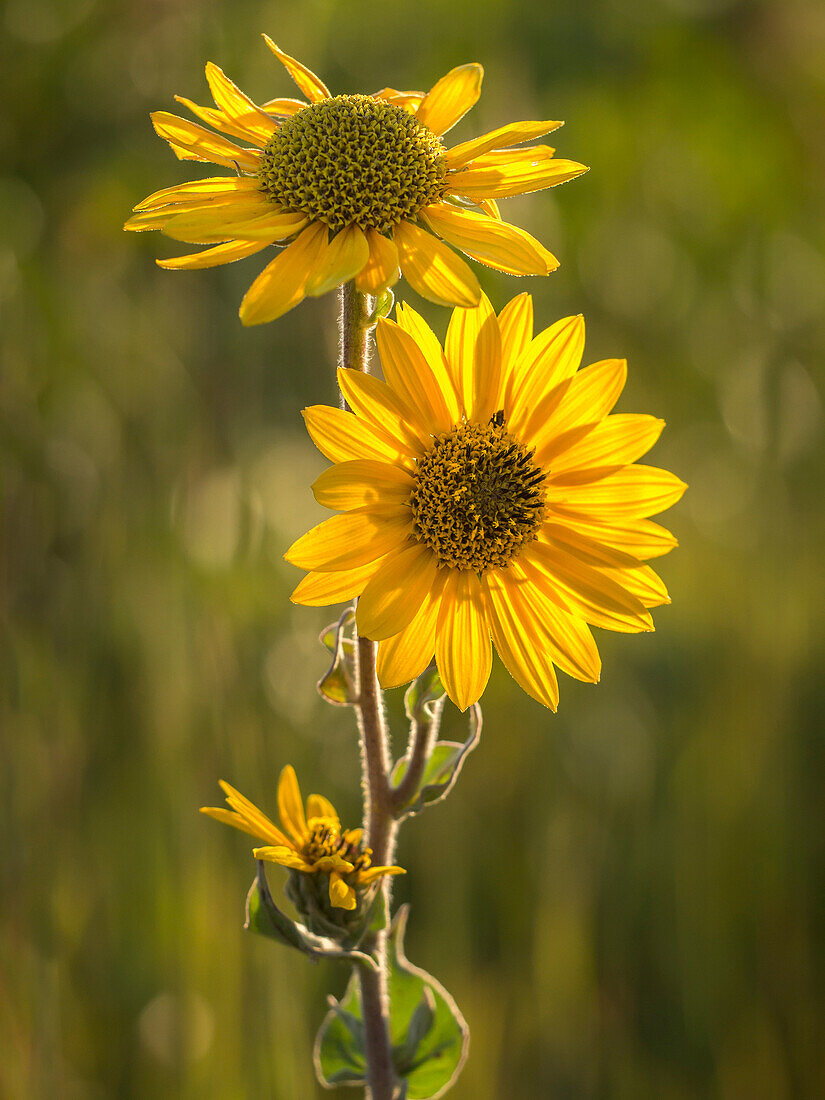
point(625, 899)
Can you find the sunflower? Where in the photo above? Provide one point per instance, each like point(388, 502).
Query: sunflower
point(486, 492)
point(313, 842)
point(356, 186)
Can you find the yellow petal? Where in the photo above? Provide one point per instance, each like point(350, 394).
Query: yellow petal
point(375, 402)
point(208, 146)
point(514, 177)
point(366, 877)
point(396, 592)
point(362, 483)
point(408, 101)
point(553, 356)
point(409, 375)
point(283, 106)
point(462, 647)
point(320, 589)
point(406, 655)
point(229, 817)
point(318, 806)
point(433, 270)
point(565, 636)
point(473, 349)
point(515, 324)
point(341, 436)
point(517, 644)
point(341, 895)
point(257, 820)
point(312, 86)
point(635, 492)
point(591, 395)
point(229, 223)
point(285, 857)
point(349, 540)
point(558, 532)
point(281, 284)
point(211, 188)
point(494, 243)
point(413, 323)
point(290, 805)
point(382, 270)
point(642, 582)
point(346, 255)
point(237, 105)
point(617, 441)
point(451, 98)
point(640, 538)
point(514, 133)
point(214, 257)
point(584, 590)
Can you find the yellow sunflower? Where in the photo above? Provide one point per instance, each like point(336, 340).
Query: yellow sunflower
point(313, 841)
point(356, 186)
point(486, 492)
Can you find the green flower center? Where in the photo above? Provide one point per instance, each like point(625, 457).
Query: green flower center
point(478, 497)
point(354, 160)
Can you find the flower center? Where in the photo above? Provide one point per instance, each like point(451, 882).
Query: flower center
point(355, 160)
point(478, 497)
point(326, 840)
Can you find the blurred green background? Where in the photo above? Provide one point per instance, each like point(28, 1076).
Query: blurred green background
point(625, 899)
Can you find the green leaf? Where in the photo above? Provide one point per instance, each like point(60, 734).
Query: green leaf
point(429, 1034)
point(337, 685)
point(424, 697)
point(442, 768)
point(264, 917)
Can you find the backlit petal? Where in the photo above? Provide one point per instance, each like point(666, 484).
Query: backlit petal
point(320, 589)
point(462, 647)
point(591, 395)
point(311, 85)
point(497, 244)
point(206, 145)
point(341, 436)
point(349, 540)
point(413, 323)
point(281, 285)
point(375, 402)
point(407, 372)
point(514, 177)
point(214, 257)
point(451, 98)
point(515, 323)
point(514, 133)
point(473, 349)
point(382, 269)
point(432, 268)
point(553, 356)
point(616, 441)
point(290, 804)
point(346, 255)
point(517, 644)
point(361, 483)
point(632, 493)
point(396, 592)
point(406, 655)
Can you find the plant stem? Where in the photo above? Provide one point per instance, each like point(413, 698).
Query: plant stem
point(379, 822)
point(422, 739)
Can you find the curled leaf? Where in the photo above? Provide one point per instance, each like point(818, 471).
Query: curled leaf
point(445, 761)
point(264, 917)
point(337, 685)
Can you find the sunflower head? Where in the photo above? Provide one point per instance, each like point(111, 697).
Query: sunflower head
point(332, 878)
point(354, 160)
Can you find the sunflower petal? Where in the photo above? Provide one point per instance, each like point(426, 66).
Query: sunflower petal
point(283, 106)
point(640, 538)
point(396, 592)
point(473, 349)
point(206, 145)
point(318, 806)
point(643, 582)
point(433, 270)
point(409, 375)
point(634, 492)
point(342, 436)
point(451, 98)
point(497, 244)
point(515, 324)
point(290, 804)
point(591, 395)
point(361, 483)
point(514, 133)
point(341, 894)
point(616, 441)
point(311, 85)
point(413, 323)
point(516, 643)
point(211, 188)
point(281, 285)
point(257, 819)
point(514, 177)
point(552, 357)
point(346, 254)
point(349, 540)
point(382, 269)
point(225, 253)
point(283, 856)
point(406, 655)
point(462, 646)
point(375, 402)
point(237, 105)
point(321, 589)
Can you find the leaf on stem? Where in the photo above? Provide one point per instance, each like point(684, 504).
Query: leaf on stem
point(337, 685)
point(428, 1032)
point(264, 917)
point(441, 770)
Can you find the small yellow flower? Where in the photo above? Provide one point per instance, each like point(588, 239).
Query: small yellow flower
point(357, 186)
point(313, 841)
point(486, 492)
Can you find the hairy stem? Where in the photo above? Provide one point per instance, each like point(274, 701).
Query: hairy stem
point(375, 760)
point(422, 738)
